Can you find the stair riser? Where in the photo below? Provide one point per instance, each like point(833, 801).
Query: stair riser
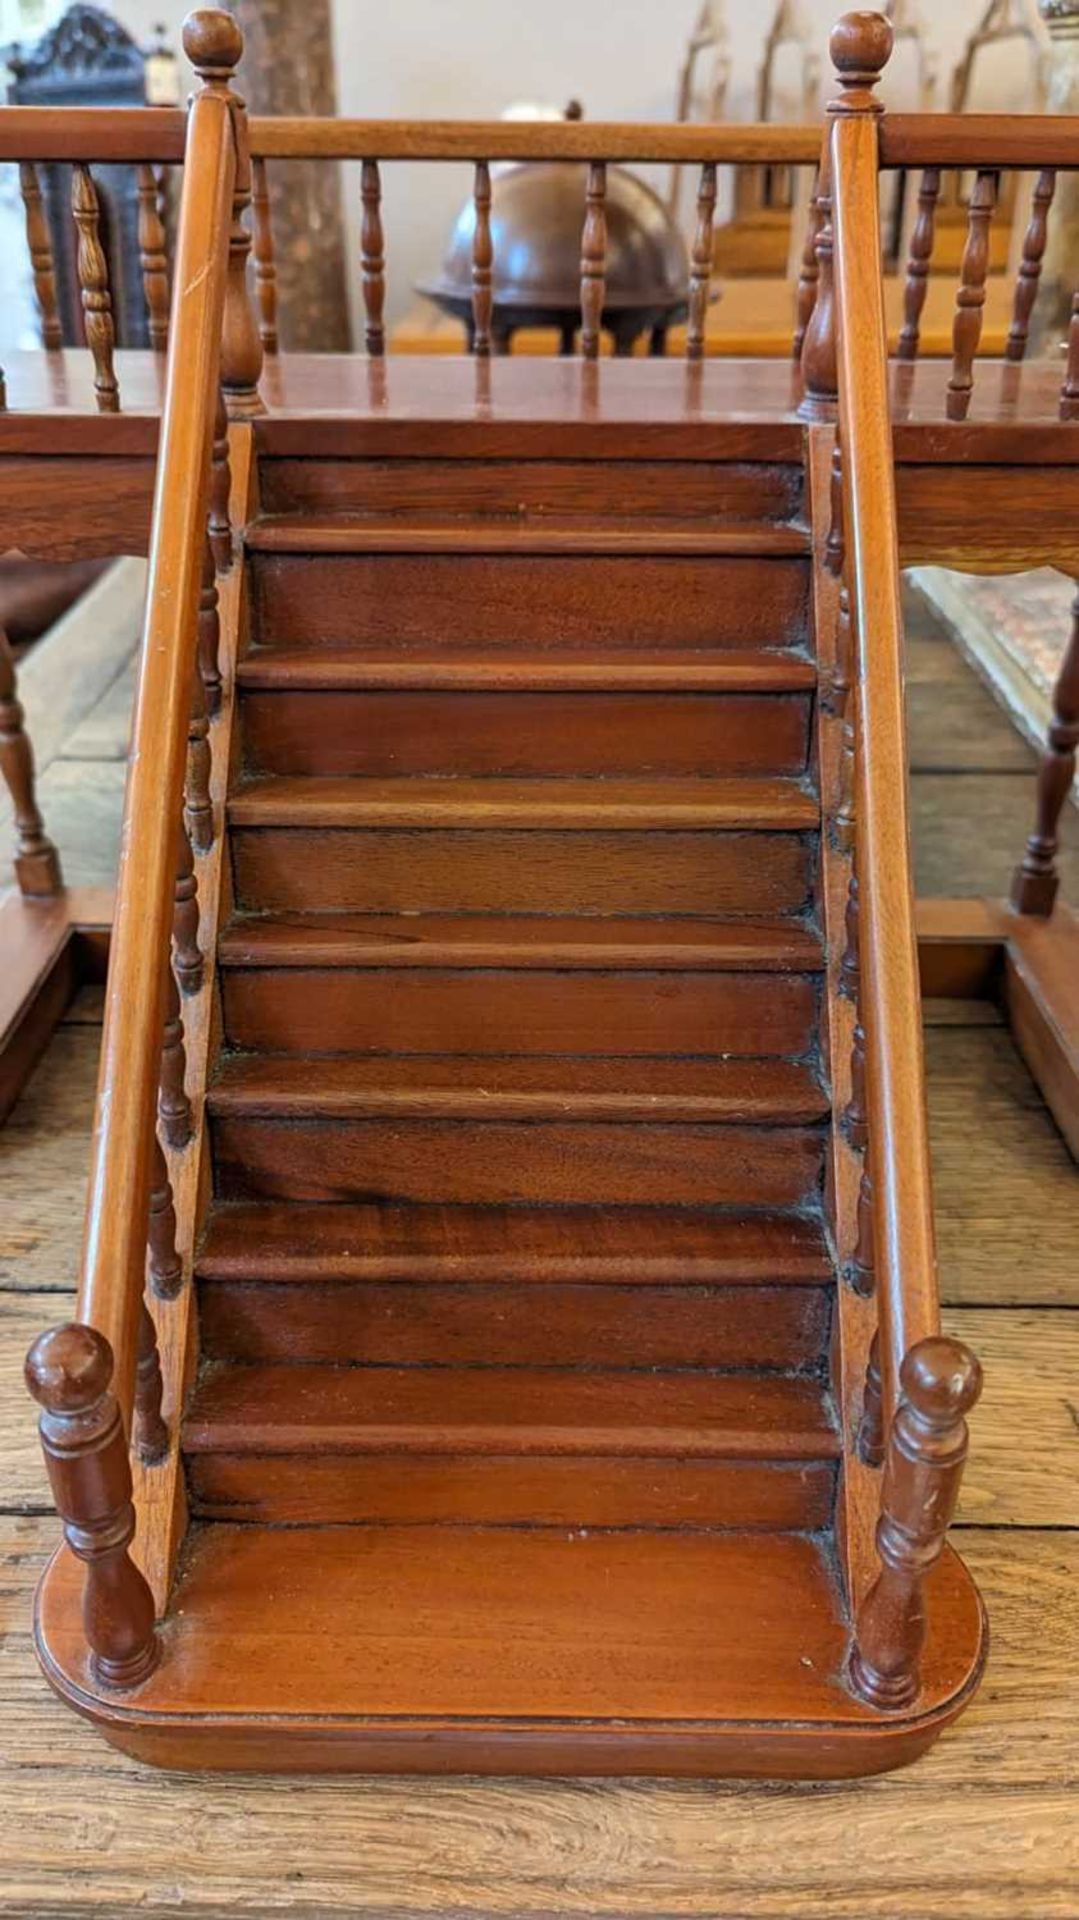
point(458, 600)
point(290, 1010)
point(778, 1328)
point(532, 1162)
point(432, 732)
point(672, 488)
point(404, 870)
point(582, 1492)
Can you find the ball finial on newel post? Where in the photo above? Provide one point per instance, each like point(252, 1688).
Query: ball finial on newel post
point(861, 46)
point(213, 43)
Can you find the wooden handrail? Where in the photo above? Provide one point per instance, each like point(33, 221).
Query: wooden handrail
point(324, 139)
point(153, 134)
point(156, 135)
point(114, 1249)
point(890, 996)
point(1023, 142)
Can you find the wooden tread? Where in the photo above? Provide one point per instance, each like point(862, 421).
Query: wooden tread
point(331, 669)
point(519, 1087)
point(623, 1246)
point(374, 533)
point(501, 1651)
point(500, 1410)
point(533, 805)
point(522, 941)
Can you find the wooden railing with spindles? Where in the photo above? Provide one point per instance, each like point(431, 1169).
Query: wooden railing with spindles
point(99, 1380)
point(918, 1384)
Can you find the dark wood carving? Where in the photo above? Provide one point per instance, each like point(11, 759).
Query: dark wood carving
point(87, 59)
point(68, 1371)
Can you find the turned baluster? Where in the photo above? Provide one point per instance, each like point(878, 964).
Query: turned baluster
point(213, 44)
point(166, 1269)
point(593, 259)
point(855, 1117)
point(40, 246)
point(37, 863)
point(372, 258)
point(1069, 392)
point(209, 630)
point(265, 263)
point(93, 275)
point(69, 1371)
point(970, 299)
point(152, 260)
point(700, 271)
point(482, 261)
point(809, 276)
point(220, 488)
point(197, 799)
point(186, 953)
point(926, 1448)
point(150, 1435)
point(1036, 882)
point(173, 1105)
point(918, 265)
point(861, 1273)
point(1030, 268)
point(871, 1425)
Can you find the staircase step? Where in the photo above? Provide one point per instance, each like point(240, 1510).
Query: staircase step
point(525, 1130)
point(334, 713)
point(518, 1651)
point(498, 669)
point(385, 1323)
point(508, 1445)
point(548, 533)
point(526, 805)
point(561, 601)
point(623, 1246)
point(349, 479)
point(519, 1088)
point(344, 983)
point(328, 940)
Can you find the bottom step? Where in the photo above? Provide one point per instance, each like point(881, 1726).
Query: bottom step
point(455, 1649)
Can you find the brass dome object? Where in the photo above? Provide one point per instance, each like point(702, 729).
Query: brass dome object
point(537, 217)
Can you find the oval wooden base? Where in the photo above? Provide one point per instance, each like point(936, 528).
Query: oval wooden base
point(650, 1680)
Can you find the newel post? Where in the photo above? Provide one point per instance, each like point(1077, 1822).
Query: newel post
point(923, 1465)
point(860, 45)
point(214, 45)
point(68, 1371)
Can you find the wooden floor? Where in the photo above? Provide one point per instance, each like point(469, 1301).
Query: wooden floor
point(986, 1827)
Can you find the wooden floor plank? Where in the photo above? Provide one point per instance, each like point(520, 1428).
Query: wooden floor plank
point(1024, 1458)
point(982, 1829)
point(1005, 1186)
point(44, 1152)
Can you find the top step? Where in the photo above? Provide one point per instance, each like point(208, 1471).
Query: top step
point(591, 534)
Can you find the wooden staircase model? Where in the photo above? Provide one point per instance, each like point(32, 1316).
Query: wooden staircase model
point(555, 1383)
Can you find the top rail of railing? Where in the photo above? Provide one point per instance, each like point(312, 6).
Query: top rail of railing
point(889, 996)
point(157, 135)
point(114, 1250)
